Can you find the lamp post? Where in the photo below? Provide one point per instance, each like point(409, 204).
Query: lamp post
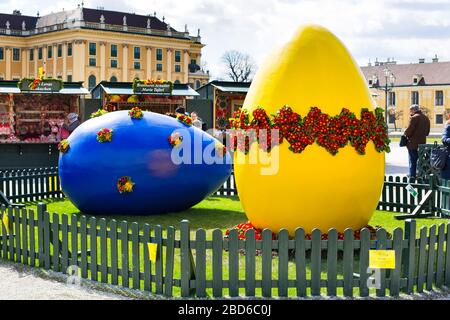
point(388, 85)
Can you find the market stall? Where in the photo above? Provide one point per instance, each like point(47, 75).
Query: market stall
point(151, 95)
point(219, 100)
point(32, 113)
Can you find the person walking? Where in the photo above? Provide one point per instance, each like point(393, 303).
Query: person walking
point(416, 133)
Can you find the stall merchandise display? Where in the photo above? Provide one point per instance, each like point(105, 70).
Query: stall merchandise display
point(35, 118)
point(6, 119)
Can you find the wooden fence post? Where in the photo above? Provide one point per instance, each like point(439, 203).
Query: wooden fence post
point(187, 261)
point(431, 206)
point(41, 208)
point(409, 254)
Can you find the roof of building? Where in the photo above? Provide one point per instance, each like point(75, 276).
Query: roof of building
point(432, 73)
point(116, 18)
point(16, 20)
point(86, 14)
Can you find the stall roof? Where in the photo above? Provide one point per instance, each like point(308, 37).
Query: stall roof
point(126, 88)
point(229, 86)
point(69, 88)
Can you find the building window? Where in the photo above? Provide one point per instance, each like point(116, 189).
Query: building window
point(159, 67)
point(60, 77)
point(177, 68)
point(69, 78)
point(414, 97)
point(177, 81)
point(392, 98)
point(113, 79)
point(137, 65)
point(92, 82)
point(177, 56)
point(16, 54)
point(49, 52)
point(2, 53)
point(159, 54)
point(197, 84)
point(92, 49)
point(92, 62)
point(193, 61)
point(113, 63)
point(31, 54)
point(69, 49)
point(439, 98)
point(439, 119)
point(59, 50)
point(40, 53)
point(137, 53)
point(391, 118)
point(114, 50)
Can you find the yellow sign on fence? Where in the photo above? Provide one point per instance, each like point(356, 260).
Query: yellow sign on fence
point(5, 221)
point(382, 259)
point(152, 250)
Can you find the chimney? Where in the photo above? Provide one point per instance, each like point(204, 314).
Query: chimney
point(421, 60)
point(435, 59)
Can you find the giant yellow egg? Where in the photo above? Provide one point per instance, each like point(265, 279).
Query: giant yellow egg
point(311, 189)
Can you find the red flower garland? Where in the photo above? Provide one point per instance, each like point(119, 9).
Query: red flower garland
point(242, 228)
point(329, 132)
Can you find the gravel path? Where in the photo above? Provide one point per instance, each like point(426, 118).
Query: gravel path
point(25, 283)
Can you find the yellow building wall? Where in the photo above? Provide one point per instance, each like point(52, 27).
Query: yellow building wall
point(426, 102)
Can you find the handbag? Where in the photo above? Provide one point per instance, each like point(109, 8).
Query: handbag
point(403, 141)
point(438, 156)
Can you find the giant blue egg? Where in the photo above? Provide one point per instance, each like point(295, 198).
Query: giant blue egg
point(164, 177)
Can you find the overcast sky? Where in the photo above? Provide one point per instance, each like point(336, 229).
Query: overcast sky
point(403, 29)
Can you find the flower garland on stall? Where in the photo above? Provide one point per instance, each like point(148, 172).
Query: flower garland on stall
point(329, 132)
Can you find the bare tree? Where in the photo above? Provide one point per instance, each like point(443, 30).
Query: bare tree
point(397, 115)
point(240, 66)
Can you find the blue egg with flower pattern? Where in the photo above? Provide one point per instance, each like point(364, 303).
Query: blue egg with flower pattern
point(115, 164)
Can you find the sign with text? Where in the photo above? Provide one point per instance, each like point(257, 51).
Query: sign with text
point(382, 259)
point(153, 88)
point(31, 85)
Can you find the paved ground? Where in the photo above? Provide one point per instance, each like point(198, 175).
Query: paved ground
point(19, 282)
point(397, 160)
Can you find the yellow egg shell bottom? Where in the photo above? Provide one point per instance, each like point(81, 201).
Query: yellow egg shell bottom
point(312, 189)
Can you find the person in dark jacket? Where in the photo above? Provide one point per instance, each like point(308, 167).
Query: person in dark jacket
point(445, 173)
point(416, 133)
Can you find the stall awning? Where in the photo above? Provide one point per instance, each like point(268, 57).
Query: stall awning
point(231, 89)
point(4, 90)
point(74, 91)
point(125, 88)
point(75, 88)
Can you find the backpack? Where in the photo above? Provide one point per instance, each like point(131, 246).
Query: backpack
point(438, 157)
